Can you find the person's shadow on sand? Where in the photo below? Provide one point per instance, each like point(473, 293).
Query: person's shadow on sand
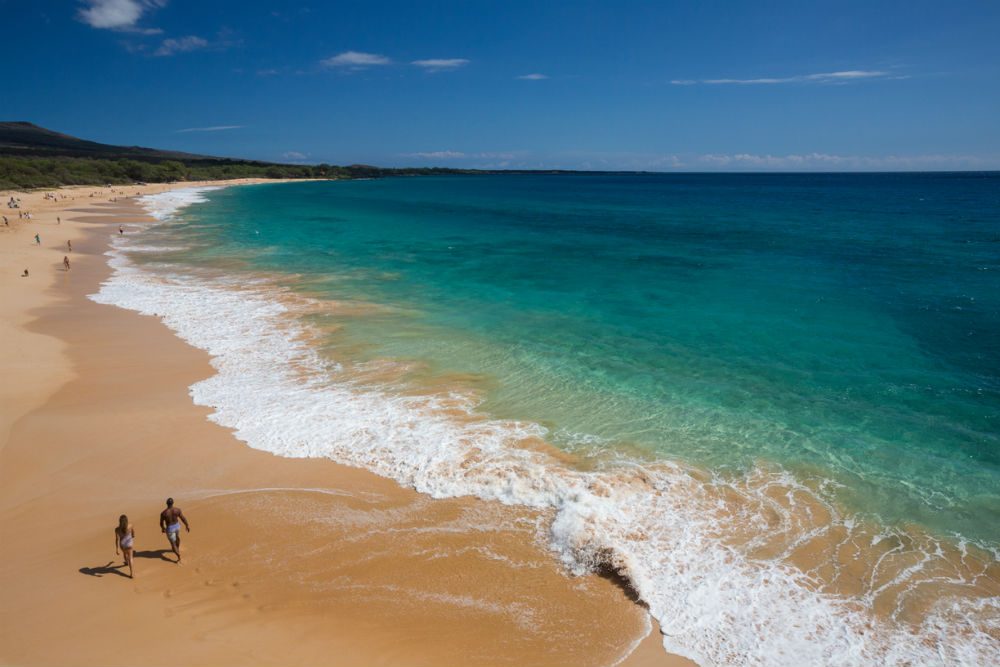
point(108, 568)
point(102, 570)
point(155, 553)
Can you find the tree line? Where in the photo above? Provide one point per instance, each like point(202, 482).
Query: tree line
point(23, 172)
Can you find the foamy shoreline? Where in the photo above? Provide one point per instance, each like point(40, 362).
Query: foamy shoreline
point(656, 525)
point(100, 422)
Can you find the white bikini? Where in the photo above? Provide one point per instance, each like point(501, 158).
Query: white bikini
point(126, 541)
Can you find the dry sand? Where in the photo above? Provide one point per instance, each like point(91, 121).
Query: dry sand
point(289, 561)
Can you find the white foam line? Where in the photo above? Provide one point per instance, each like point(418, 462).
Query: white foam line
point(276, 489)
point(658, 526)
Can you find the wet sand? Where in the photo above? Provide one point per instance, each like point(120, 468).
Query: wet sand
point(289, 561)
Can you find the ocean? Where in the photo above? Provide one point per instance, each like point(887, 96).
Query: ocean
point(770, 402)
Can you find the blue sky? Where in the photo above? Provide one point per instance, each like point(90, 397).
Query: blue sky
point(664, 86)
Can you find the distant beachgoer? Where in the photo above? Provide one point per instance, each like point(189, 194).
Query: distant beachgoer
point(69, 246)
point(125, 538)
point(66, 262)
point(38, 240)
point(58, 220)
point(5, 221)
point(170, 523)
point(121, 230)
point(25, 274)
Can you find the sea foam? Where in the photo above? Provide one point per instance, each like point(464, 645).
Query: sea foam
point(663, 527)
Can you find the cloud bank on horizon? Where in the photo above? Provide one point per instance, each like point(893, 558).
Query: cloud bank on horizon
point(814, 162)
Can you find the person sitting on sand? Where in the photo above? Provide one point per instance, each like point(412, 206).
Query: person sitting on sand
point(66, 262)
point(25, 274)
point(125, 538)
point(170, 523)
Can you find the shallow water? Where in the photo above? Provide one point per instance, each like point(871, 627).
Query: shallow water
point(804, 368)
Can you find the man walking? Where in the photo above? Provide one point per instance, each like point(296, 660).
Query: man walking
point(170, 523)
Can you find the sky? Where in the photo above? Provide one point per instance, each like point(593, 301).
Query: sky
point(661, 86)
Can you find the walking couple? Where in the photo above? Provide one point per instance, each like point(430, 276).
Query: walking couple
point(170, 523)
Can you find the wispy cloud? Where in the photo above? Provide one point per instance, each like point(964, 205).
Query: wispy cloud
point(437, 155)
point(844, 76)
point(294, 155)
point(459, 155)
point(187, 44)
point(355, 60)
point(212, 128)
point(440, 64)
point(533, 77)
point(830, 162)
point(122, 15)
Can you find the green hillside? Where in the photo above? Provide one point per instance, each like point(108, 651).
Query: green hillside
point(35, 157)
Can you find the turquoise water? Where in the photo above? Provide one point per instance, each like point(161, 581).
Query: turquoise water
point(839, 326)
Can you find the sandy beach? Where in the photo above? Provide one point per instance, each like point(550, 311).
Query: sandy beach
point(289, 561)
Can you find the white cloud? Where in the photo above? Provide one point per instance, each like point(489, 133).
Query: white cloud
point(183, 45)
point(496, 156)
point(213, 128)
point(829, 162)
point(440, 64)
point(533, 77)
point(503, 156)
point(821, 77)
point(355, 60)
point(118, 14)
point(437, 155)
point(294, 155)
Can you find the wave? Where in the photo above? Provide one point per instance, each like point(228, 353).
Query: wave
point(758, 569)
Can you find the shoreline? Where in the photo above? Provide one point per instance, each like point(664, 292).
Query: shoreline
point(100, 411)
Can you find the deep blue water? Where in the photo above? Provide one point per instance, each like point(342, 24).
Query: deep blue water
point(841, 326)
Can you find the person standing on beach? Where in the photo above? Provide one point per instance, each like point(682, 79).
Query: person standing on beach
point(69, 246)
point(38, 240)
point(170, 523)
point(125, 538)
point(66, 262)
point(121, 230)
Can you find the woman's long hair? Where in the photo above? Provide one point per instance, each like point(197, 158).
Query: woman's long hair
point(122, 524)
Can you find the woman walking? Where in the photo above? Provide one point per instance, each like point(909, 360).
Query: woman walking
point(125, 538)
